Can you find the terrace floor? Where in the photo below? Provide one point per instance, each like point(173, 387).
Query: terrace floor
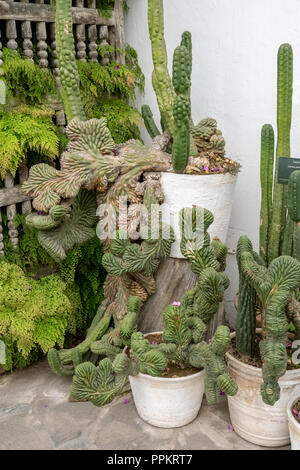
point(35, 413)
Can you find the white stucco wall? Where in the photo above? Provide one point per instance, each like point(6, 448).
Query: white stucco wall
point(235, 44)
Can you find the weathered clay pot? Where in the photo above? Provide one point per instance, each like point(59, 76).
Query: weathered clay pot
point(294, 425)
point(251, 418)
point(214, 192)
point(168, 402)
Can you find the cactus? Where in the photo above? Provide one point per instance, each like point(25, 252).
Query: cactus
point(185, 327)
point(274, 287)
point(161, 80)
point(284, 114)
point(181, 109)
point(294, 209)
point(246, 315)
point(266, 180)
point(149, 121)
point(68, 72)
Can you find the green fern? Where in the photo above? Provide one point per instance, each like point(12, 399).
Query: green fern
point(22, 130)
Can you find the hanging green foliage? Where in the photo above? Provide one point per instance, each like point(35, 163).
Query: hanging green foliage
point(122, 119)
point(35, 313)
point(24, 129)
point(25, 80)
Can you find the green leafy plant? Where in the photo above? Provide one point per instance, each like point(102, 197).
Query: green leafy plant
point(26, 81)
point(34, 314)
point(25, 129)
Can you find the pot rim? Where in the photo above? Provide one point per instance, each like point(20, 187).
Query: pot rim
point(218, 175)
point(249, 367)
point(289, 410)
point(166, 379)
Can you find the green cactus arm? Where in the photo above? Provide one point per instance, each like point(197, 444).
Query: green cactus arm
point(65, 48)
point(211, 357)
point(149, 361)
point(284, 116)
point(161, 79)
point(177, 332)
point(130, 321)
point(149, 121)
point(246, 314)
point(266, 182)
point(294, 210)
point(75, 230)
point(288, 237)
point(61, 362)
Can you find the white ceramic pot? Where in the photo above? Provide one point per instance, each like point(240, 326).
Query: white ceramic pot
point(213, 192)
point(294, 425)
point(251, 418)
point(168, 402)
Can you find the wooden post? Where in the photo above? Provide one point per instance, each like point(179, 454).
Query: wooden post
point(23, 176)
point(11, 212)
point(120, 34)
point(92, 34)
point(103, 34)
point(11, 34)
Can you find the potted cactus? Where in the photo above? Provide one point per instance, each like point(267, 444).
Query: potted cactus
point(269, 286)
point(167, 369)
point(293, 414)
point(200, 173)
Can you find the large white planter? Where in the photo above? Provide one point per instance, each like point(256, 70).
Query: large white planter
point(251, 418)
point(168, 402)
point(294, 426)
point(213, 192)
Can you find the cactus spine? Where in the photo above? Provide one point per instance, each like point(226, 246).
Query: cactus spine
point(284, 116)
point(67, 61)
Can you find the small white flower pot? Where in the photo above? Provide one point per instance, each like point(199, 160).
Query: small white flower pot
point(294, 425)
point(168, 402)
point(213, 192)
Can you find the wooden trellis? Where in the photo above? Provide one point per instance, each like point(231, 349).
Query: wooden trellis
point(28, 21)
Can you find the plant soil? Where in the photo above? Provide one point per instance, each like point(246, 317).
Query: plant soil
point(296, 410)
point(173, 370)
point(255, 360)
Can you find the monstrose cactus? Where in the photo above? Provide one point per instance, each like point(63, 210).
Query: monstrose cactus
point(185, 327)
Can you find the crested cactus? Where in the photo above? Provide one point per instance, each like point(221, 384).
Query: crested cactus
point(274, 287)
point(284, 116)
point(186, 323)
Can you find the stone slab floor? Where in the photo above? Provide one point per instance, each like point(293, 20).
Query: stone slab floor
point(35, 413)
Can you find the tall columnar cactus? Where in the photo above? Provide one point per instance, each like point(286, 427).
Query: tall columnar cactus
point(246, 315)
point(185, 327)
point(284, 116)
point(67, 61)
point(274, 287)
point(181, 109)
point(266, 181)
point(161, 79)
point(294, 210)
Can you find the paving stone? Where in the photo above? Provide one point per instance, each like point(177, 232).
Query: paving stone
point(35, 413)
